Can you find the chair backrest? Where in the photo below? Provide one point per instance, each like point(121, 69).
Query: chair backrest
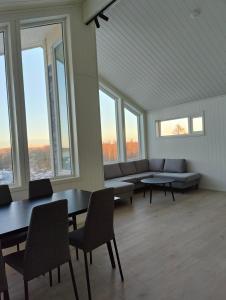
point(3, 281)
point(5, 195)
point(99, 226)
point(47, 244)
point(40, 188)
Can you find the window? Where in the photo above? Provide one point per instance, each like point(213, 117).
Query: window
point(108, 127)
point(132, 135)
point(121, 127)
point(180, 127)
point(174, 127)
point(197, 124)
point(6, 159)
point(46, 101)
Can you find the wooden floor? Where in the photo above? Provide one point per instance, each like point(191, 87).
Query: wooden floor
point(170, 251)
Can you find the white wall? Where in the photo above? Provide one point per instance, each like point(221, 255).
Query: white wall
point(206, 154)
point(85, 78)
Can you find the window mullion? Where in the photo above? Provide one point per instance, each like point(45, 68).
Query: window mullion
point(17, 82)
point(121, 127)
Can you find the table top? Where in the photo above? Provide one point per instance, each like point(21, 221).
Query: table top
point(15, 217)
point(157, 180)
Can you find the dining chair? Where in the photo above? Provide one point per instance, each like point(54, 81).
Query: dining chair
point(40, 188)
point(14, 239)
point(3, 280)
point(43, 188)
point(47, 244)
point(98, 230)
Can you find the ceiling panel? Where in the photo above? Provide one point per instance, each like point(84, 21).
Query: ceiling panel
point(154, 52)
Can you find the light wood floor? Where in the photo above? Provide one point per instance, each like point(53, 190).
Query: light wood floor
point(170, 251)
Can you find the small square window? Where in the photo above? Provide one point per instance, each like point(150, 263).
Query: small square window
point(197, 124)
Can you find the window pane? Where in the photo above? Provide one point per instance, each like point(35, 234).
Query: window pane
point(174, 127)
point(108, 127)
point(64, 166)
point(6, 164)
point(46, 101)
point(132, 135)
point(197, 124)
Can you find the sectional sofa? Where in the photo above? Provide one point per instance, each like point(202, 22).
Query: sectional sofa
point(125, 177)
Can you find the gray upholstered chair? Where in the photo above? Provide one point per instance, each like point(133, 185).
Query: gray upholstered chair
point(98, 229)
point(15, 239)
point(47, 244)
point(43, 188)
point(3, 280)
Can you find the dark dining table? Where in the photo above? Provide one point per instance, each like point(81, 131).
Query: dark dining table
point(15, 217)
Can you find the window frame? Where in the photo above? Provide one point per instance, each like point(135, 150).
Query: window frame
point(190, 133)
point(122, 103)
point(117, 125)
point(135, 112)
point(5, 29)
point(15, 91)
point(25, 24)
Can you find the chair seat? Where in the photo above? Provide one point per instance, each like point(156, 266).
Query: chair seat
point(76, 238)
point(13, 240)
point(16, 260)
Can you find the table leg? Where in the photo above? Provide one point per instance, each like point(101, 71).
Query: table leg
point(171, 188)
point(150, 194)
point(164, 189)
point(75, 227)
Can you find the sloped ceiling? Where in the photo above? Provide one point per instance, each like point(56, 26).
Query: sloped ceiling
point(155, 53)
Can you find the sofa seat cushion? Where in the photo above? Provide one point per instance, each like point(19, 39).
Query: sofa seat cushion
point(119, 186)
point(112, 171)
point(175, 166)
point(135, 178)
point(180, 177)
point(142, 165)
point(156, 164)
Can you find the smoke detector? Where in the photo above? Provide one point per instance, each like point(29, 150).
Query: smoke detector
point(195, 13)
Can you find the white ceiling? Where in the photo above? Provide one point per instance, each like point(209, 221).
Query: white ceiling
point(155, 53)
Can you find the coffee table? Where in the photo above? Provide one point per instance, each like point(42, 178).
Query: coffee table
point(158, 181)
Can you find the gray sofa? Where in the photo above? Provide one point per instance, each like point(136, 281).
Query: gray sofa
point(125, 177)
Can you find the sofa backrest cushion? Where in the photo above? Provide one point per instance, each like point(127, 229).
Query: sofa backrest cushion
point(128, 168)
point(156, 164)
point(112, 171)
point(175, 165)
point(142, 165)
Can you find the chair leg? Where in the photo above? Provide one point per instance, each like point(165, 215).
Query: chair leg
point(87, 275)
point(75, 227)
point(73, 280)
point(26, 290)
point(91, 258)
point(5, 295)
point(18, 247)
point(131, 200)
point(50, 279)
point(58, 275)
point(118, 259)
point(111, 254)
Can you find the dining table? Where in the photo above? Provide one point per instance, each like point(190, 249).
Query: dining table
point(15, 217)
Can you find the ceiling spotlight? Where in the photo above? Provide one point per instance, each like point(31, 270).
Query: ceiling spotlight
point(97, 22)
point(195, 13)
point(102, 16)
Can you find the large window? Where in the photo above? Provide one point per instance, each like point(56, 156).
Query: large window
point(192, 125)
point(46, 101)
point(108, 127)
point(36, 120)
point(6, 161)
point(122, 129)
point(132, 134)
